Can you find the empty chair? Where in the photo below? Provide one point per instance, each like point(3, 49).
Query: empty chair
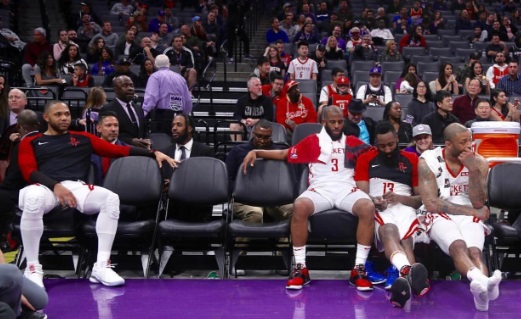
point(449, 59)
point(420, 58)
point(404, 100)
point(429, 76)
point(337, 64)
point(98, 80)
point(435, 44)
point(375, 112)
point(278, 133)
point(312, 96)
point(407, 52)
point(359, 84)
point(325, 75)
point(451, 37)
point(427, 67)
point(307, 86)
point(303, 130)
point(392, 66)
point(464, 53)
point(458, 45)
point(437, 52)
point(361, 66)
point(465, 33)
point(444, 32)
point(359, 76)
point(161, 140)
point(391, 76)
point(431, 37)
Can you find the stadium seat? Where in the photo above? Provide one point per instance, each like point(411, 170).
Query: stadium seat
point(391, 76)
point(404, 100)
point(436, 44)
point(420, 58)
point(464, 53)
point(392, 66)
point(337, 64)
point(359, 76)
point(312, 96)
point(458, 44)
point(307, 86)
point(449, 59)
point(451, 37)
point(407, 52)
point(279, 134)
point(437, 52)
point(375, 112)
point(361, 66)
point(160, 141)
point(422, 67)
point(301, 131)
point(429, 76)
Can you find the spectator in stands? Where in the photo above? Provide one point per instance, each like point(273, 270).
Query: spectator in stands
point(170, 19)
point(375, 93)
point(80, 78)
point(146, 70)
point(496, 30)
point(307, 34)
point(478, 36)
point(59, 46)
point(463, 107)
point(250, 108)
point(515, 48)
point(235, 28)
point(276, 64)
point(438, 22)
point(343, 12)
point(307, 12)
point(130, 115)
point(511, 83)
point(166, 92)
point(262, 71)
point(365, 51)
point(498, 70)
point(94, 52)
point(420, 105)
point(127, 47)
point(183, 59)
point(393, 115)
point(495, 46)
point(408, 68)
point(105, 65)
point(336, 32)
point(502, 110)
point(46, 71)
point(123, 9)
point(86, 32)
point(333, 51)
point(421, 140)
point(390, 53)
point(32, 51)
point(446, 79)
point(328, 90)
point(294, 108)
point(90, 113)
point(464, 71)
point(261, 140)
point(274, 89)
point(11, 36)
point(516, 17)
point(164, 39)
point(110, 38)
point(341, 97)
point(73, 36)
point(155, 24)
point(319, 56)
point(413, 39)
point(357, 124)
point(288, 26)
point(276, 33)
point(381, 34)
point(477, 73)
point(408, 83)
point(482, 111)
point(463, 21)
point(16, 102)
point(193, 42)
point(122, 68)
point(214, 33)
point(302, 67)
point(69, 57)
point(146, 52)
point(354, 40)
point(402, 20)
point(286, 57)
point(322, 14)
point(442, 117)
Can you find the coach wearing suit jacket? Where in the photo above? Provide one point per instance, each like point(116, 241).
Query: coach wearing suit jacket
point(130, 115)
point(183, 128)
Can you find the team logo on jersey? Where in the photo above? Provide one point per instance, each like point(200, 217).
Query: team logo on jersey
point(402, 167)
point(293, 154)
point(74, 142)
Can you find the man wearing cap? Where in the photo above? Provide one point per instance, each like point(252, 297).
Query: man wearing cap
point(357, 124)
point(498, 70)
point(154, 24)
point(442, 117)
point(303, 68)
point(464, 71)
point(32, 52)
point(341, 97)
point(320, 57)
point(294, 108)
point(107, 35)
point(327, 91)
point(375, 93)
point(422, 137)
point(122, 68)
point(511, 82)
point(464, 105)
point(482, 111)
point(275, 33)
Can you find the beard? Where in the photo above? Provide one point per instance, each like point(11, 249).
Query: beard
point(334, 137)
point(390, 160)
point(181, 138)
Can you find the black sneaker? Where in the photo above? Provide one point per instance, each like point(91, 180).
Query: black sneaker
point(417, 275)
point(400, 292)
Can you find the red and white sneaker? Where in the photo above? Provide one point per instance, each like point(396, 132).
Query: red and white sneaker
point(417, 276)
point(34, 273)
point(299, 278)
point(359, 279)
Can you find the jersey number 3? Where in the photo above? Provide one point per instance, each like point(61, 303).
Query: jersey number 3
point(334, 168)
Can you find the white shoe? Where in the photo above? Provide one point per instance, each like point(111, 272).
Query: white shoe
point(105, 275)
point(480, 294)
point(493, 285)
point(34, 273)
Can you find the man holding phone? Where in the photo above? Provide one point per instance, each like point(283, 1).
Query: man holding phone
point(375, 93)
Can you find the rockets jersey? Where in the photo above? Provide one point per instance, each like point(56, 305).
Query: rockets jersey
point(341, 100)
point(303, 70)
point(383, 178)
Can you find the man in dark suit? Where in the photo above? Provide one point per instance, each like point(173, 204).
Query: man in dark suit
point(108, 129)
point(127, 47)
point(130, 115)
point(183, 129)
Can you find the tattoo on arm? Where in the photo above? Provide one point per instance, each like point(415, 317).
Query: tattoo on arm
point(478, 184)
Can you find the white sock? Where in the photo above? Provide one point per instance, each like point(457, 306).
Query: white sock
point(362, 252)
point(31, 229)
point(300, 255)
point(106, 230)
point(399, 259)
point(476, 274)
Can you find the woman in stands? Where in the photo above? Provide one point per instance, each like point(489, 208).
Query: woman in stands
point(307, 34)
point(502, 110)
point(414, 38)
point(408, 68)
point(422, 140)
point(147, 68)
point(46, 70)
point(390, 53)
point(437, 23)
point(276, 63)
point(516, 17)
point(333, 52)
point(94, 53)
point(393, 115)
point(70, 56)
point(95, 101)
point(476, 72)
point(421, 103)
point(105, 65)
point(446, 79)
point(409, 81)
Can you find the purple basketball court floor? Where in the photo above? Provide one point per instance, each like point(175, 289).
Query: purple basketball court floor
point(251, 299)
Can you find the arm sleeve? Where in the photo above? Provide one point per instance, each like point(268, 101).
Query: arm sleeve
point(360, 92)
point(29, 166)
point(239, 110)
point(362, 168)
point(315, 68)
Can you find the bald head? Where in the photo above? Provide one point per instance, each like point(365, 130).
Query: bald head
point(28, 120)
point(452, 131)
point(332, 110)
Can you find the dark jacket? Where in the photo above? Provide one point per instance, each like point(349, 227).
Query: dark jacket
point(351, 128)
point(127, 130)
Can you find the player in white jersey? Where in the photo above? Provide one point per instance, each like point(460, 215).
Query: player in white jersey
point(453, 188)
point(390, 177)
point(332, 158)
point(302, 67)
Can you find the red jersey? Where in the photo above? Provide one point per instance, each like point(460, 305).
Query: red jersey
point(301, 112)
point(266, 90)
point(341, 100)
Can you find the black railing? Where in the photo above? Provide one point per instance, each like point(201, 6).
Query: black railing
point(45, 18)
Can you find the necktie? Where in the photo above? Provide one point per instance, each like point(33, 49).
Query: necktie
point(183, 152)
point(132, 116)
